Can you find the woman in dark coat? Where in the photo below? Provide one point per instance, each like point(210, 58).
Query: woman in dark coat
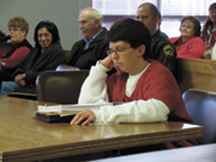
point(46, 55)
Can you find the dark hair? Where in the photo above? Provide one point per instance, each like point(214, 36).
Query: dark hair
point(208, 21)
point(51, 27)
point(131, 31)
point(2, 34)
point(3, 37)
point(195, 21)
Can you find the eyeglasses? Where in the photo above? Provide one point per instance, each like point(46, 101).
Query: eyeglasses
point(117, 51)
point(187, 26)
point(13, 29)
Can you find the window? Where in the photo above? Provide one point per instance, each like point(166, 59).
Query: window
point(118, 7)
point(185, 7)
point(172, 11)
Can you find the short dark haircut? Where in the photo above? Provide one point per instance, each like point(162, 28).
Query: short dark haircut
point(212, 6)
point(195, 21)
point(51, 27)
point(153, 8)
point(131, 31)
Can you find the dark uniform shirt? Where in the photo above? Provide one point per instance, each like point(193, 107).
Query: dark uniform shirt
point(163, 51)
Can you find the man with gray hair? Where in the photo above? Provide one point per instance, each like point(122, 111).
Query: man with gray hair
point(93, 46)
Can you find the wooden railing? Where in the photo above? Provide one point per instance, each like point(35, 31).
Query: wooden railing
point(193, 74)
point(196, 73)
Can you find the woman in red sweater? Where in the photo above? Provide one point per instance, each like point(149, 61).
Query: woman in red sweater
point(146, 89)
point(189, 44)
point(18, 49)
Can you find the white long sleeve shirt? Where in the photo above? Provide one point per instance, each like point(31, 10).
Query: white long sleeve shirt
point(94, 90)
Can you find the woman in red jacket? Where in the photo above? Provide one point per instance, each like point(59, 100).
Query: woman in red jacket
point(189, 44)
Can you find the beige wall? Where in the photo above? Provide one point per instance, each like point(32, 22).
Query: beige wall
point(64, 13)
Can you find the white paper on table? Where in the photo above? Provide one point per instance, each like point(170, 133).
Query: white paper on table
point(70, 107)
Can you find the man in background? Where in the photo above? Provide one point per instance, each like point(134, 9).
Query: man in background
point(161, 48)
point(93, 46)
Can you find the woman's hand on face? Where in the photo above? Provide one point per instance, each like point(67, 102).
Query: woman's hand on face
point(108, 62)
point(87, 115)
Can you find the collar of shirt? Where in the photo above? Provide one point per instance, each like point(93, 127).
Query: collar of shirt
point(43, 50)
point(17, 42)
point(87, 42)
point(132, 82)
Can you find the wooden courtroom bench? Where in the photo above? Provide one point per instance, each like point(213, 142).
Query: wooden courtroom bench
point(196, 73)
point(34, 96)
point(193, 73)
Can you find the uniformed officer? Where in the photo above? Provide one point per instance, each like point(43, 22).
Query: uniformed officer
point(161, 48)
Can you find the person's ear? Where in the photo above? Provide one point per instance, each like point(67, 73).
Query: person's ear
point(24, 33)
point(97, 22)
point(141, 50)
point(156, 21)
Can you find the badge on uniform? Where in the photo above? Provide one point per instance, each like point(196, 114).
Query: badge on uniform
point(169, 51)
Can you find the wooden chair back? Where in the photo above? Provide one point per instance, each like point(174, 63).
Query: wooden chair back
point(23, 95)
point(201, 105)
point(196, 73)
point(61, 87)
point(34, 96)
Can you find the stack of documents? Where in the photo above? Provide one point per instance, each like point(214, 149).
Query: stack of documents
point(63, 113)
point(72, 107)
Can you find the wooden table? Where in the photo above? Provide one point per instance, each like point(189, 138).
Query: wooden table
point(202, 153)
point(24, 138)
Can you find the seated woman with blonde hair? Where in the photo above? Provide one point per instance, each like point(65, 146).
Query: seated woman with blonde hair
point(14, 52)
point(189, 44)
